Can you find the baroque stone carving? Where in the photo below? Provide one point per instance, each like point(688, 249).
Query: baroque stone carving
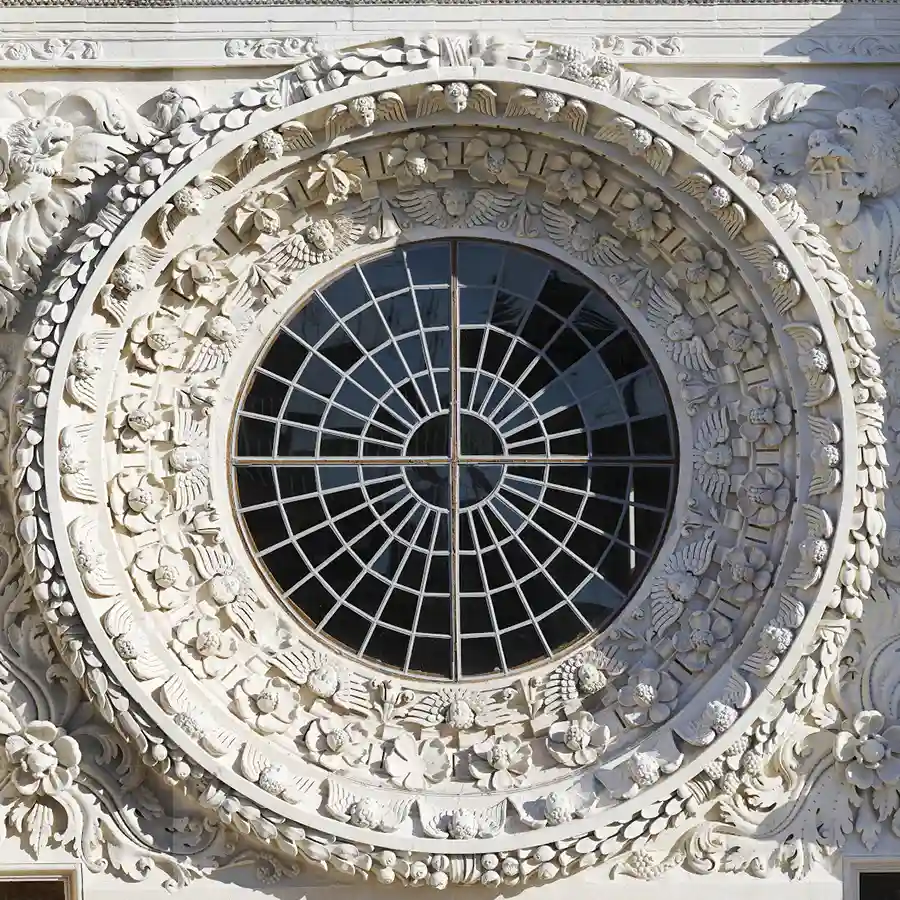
point(608, 721)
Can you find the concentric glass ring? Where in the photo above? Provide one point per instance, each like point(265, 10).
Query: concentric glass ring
point(455, 459)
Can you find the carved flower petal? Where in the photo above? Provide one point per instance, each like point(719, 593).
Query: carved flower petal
point(845, 746)
point(859, 775)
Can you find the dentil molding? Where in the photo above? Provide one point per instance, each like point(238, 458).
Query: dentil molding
point(739, 715)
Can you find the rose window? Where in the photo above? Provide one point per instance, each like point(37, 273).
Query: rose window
point(455, 459)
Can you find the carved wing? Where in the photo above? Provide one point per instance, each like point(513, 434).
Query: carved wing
point(715, 481)
point(714, 430)
point(560, 687)
point(210, 354)
point(607, 251)
point(429, 710)
point(291, 255)
point(424, 206)
point(668, 316)
point(487, 206)
point(559, 225)
point(353, 693)
point(296, 137)
point(390, 107)
point(339, 120)
point(737, 693)
point(483, 99)
point(733, 218)
point(77, 484)
point(697, 556)
point(90, 558)
point(825, 477)
point(146, 256)
point(531, 812)
point(665, 608)
point(791, 613)
point(297, 662)
point(144, 665)
point(431, 101)
point(761, 254)
point(252, 762)
point(395, 813)
point(621, 130)
point(818, 522)
point(350, 226)
point(521, 103)
point(575, 115)
point(821, 383)
point(81, 382)
point(695, 185)
point(339, 800)
point(492, 819)
point(173, 698)
point(190, 485)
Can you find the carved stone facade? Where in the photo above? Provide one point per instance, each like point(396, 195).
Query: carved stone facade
point(166, 714)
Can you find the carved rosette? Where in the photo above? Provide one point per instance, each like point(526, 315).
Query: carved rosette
point(159, 308)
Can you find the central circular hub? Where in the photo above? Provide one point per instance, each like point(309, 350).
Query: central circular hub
point(434, 438)
point(455, 459)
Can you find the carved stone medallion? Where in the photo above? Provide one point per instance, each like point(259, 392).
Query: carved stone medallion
point(199, 368)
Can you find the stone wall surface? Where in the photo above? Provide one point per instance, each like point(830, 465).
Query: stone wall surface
point(175, 179)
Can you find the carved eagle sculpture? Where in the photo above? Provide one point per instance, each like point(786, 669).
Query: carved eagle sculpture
point(454, 208)
point(679, 582)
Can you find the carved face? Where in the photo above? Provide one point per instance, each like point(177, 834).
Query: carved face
point(680, 329)
point(38, 145)
point(683, 585)
point(321, 233)
point(456, 96)
point(549, 104)
point(719, 456)
point(455, 203)
point(362, 109)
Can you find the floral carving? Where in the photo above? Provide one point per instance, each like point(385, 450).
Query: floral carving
point(745, 572)
point(138, 421)
point(259, 210)
point(43, 759)
point(336, 745)
point(161, 576)
point(573, 175)
point(138, 501)
point(702, 639)
point(745, 341)
point(199, 274)
point(647, 698)
point(501, 762)
point(496, 156)
point(870, 750)
point(156, 342)
point(415, 159)
point(702, 273)
point(577, 742)
point(336, 176)
point(416, 764)
point(645, 216)
point(768, 416)
point(764, 496)
point(203, 646)
point(265, 703)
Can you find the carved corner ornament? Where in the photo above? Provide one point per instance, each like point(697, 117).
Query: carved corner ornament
point(716, 696)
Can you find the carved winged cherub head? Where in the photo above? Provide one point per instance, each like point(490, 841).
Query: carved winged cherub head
point(35, 146)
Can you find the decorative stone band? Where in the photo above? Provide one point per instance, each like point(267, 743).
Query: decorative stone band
point(694, 313)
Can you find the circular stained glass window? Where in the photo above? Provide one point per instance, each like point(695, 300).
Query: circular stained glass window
point(455, 459)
